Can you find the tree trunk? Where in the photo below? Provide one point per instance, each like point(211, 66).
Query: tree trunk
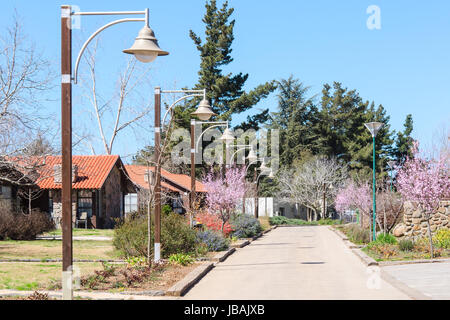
point(149, 226)
point(430, 236)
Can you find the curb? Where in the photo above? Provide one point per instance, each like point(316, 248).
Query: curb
point(368, 261)
point(221, 256)
point(241, 244)
point(400, 262)
point(181, 287)
point(410, 292)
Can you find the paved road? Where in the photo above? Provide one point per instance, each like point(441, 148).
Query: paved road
point(431, 279)
point(293, 263)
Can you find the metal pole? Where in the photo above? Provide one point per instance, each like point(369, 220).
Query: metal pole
point(374, 191)
point(192, 195)
point(66, 149)
point(157, 253)
point(256, 198)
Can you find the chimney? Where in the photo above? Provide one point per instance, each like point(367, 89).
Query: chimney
point(151, 174)
point(57, 176)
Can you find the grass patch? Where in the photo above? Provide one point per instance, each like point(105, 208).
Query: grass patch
point(52, 249)
point(37, 276)
point(83, 232)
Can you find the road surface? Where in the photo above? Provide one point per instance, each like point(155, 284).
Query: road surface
point(308, 262)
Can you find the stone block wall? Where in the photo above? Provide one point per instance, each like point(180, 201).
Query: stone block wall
point(414, 224)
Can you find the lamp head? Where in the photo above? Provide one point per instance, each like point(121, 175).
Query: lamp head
point(203, 111)
point(374, 127)
point(227, 136)
point(252, 157)
point(145, 48)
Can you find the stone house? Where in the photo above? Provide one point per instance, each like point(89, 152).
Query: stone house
point(99, 187)
point(175, 188)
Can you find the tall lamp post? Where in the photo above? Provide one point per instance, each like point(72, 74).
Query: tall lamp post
point(240, 148)
point(145, 49)
point(204, 112)
point(391, 165)
point(374, 127)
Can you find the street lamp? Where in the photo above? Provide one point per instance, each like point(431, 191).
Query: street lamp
point(205, 110)
point(374, 127)
point(391, 165)
point(145, 49)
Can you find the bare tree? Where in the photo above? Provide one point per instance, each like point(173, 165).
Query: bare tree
point(389, 208)
point(121, 109)
point(313, 184)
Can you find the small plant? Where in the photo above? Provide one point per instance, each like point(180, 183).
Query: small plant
point(213, 240)
point(201, 250)
point(406, 245)
point(181, 259)
point(136, 261)
point(386, 238)
point(356, 234)
point(442, 238)
point(166, 209)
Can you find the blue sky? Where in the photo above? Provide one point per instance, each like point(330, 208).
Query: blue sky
point(405, 65)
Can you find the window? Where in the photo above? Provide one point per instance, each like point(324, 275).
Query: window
point(131, 203)
point(84, 202)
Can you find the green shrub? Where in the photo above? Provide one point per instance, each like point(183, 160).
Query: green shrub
point(214, 240)
point(166, 209)
point(386, 238)
point(442, 238)
point(406, 245)
point(245, 226)
point(19, 226)
point(280, 220)
point(329, 221)
point(131, 235)
point(181, 259)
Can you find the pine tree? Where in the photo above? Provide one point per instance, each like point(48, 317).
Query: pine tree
point(293, 119)
point(224, 91)
point(404, 142)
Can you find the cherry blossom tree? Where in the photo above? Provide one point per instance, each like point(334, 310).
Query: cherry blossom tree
point(224, 192)
point(355, 196)
point(425, 182)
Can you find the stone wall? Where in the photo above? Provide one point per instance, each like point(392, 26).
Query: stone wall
point(414, 224)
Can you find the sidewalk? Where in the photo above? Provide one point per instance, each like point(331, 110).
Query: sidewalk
point(430, 279)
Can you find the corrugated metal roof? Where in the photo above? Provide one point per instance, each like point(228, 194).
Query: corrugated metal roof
point(137, 174)
point(92, 171)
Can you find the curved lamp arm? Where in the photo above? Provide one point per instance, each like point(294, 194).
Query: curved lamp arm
point(75, 78)
point(214, 126)
point(181, 99)
point(240, 149)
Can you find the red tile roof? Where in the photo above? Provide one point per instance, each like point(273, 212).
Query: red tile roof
point(92, 171)
point(137, 174)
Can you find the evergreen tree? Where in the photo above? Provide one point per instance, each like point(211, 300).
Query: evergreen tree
point(294, 120)
point(225, 92)
point(404, 141)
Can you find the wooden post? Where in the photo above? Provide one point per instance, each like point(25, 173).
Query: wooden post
point(66, 148)
point(157, 252)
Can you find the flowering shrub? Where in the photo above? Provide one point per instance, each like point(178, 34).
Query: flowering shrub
point(213, 222)
point(245, 226)
point(442, 238)
point(213, 240)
